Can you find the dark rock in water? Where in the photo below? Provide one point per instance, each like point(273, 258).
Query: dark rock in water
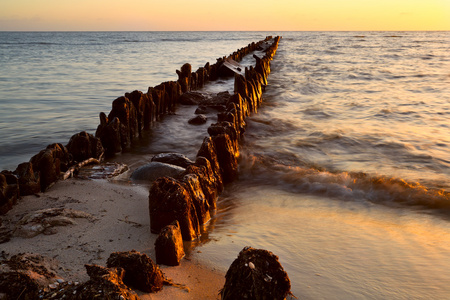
point(198, 120)
point(152, 171)
point(49, 163)
point(140, 270)
point(176, 159)
point(170, 201)
point(83, 146)
point(221, 99)
point(192, 98)
point(201, 110)
point(169, 245)
point(192, 185)
point(9, 191)
point(29, 183)
point(256, 274)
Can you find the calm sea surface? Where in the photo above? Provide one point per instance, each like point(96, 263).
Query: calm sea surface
point(344, 171)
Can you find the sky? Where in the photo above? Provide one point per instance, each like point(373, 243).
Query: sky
point(227, 15)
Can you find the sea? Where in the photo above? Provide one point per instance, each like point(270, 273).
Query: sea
point(344, 171)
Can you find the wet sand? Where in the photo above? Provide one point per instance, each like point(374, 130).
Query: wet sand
point(118, 221)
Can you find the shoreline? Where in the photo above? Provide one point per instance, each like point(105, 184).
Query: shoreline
point(92, 241)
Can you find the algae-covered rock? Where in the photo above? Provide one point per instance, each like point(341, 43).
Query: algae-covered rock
point(256, 274)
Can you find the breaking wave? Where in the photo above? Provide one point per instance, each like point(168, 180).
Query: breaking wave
point(353, 186)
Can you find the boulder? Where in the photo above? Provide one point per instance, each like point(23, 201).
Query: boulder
point(192, 98)
point(29, 183)
point(169, 245)
point(153, 170)
point(201, 110)
point(140, 270)
point(256, 274)
point(220, 99)
point(198, 120)
point(170, 201)
point(83, 146)
point(176, 159)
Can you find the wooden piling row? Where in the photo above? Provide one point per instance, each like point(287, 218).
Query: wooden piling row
point(129, 117)
point(174, 199)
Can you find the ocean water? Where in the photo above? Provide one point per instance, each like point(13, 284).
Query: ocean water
point(344, 172)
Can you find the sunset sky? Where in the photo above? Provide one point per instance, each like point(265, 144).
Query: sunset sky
point(279, 15)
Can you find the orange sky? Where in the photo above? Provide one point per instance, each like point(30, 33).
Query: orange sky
point(279, 15)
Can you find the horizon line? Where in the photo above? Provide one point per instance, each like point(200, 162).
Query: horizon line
point(391, 30)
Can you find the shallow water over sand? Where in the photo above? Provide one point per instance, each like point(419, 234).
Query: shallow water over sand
point(335, 249)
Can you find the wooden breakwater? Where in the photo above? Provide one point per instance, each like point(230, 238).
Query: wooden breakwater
point(188, 198)
point(130, 116)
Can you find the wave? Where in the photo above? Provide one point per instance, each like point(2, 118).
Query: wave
point(352, 186)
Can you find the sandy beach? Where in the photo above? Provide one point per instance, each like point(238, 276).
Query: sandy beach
point(117, 220)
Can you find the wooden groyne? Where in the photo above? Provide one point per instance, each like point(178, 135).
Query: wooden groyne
point(188, 198)
point(129, 117)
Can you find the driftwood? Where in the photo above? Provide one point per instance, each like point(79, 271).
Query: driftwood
point(75, 168)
